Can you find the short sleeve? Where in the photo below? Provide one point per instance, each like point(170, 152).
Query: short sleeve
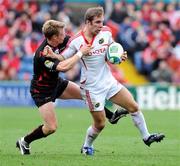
point(69, 51)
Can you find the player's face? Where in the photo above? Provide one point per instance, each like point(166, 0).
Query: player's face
point(60, 37)
point(96, 25)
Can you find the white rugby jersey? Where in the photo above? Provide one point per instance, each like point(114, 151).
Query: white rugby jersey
point(95, 72)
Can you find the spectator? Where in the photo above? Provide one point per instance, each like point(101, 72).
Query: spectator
point(119, 12)
point(162, 74)
point(148, 30)
point(176, 76)
point(9, 66)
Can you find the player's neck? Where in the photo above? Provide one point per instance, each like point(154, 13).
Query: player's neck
point(88, 35)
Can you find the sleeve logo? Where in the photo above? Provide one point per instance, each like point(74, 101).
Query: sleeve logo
point(49, 64)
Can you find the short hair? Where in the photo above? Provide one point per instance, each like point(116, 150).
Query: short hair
point(93, 12)
point(51, 27)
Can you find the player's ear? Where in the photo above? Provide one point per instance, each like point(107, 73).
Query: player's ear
point(87, 21)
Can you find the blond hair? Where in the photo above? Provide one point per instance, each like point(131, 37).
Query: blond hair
point(51, 27)
point(93, 12)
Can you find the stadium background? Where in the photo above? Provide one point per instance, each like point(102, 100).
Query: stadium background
point(148, 29)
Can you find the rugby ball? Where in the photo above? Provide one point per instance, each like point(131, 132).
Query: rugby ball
point(114, 53)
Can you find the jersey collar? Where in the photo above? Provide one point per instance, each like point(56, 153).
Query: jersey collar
point(91, 42)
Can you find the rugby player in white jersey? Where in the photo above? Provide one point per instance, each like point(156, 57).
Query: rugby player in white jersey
point(98, 84)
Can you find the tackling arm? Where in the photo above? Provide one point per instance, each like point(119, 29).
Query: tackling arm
point(48, 52)
point(67, 64)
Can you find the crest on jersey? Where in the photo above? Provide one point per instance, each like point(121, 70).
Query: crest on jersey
point(97, 105)
point(101, 41)
point(49, 64)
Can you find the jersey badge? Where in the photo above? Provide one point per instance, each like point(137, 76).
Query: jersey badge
point(97, 105)
point(101, 41)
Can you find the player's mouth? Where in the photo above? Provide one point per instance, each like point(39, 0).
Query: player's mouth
point(98, 30)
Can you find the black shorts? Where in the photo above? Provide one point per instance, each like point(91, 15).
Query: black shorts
point(41, 98)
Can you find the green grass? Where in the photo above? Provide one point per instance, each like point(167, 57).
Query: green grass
point(118, 145)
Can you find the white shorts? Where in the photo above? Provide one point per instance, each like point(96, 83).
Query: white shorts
point(96, 101)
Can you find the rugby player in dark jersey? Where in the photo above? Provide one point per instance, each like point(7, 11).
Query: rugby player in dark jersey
point(47, 86)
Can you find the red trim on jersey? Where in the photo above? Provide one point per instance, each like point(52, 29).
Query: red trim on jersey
point(82, 33)
point(39, 84)
point(91, 107)
point(105, 44)
point(83, 82)
point(40, 78)
point(35, 91)
point(86, 41)
point(84, 63)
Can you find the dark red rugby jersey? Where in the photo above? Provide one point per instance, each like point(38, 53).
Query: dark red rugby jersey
point(45, 77)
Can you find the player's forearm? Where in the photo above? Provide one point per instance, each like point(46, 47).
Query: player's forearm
point(48, 52)
point(68, 63)
point(57, 56)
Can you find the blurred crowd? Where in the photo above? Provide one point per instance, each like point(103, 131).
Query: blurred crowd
point(148, 30)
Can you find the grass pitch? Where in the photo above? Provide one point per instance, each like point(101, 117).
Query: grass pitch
point(118, 145)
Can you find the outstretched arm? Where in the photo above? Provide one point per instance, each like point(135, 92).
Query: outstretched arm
point(67, 64)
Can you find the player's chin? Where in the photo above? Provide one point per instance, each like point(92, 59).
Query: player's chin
point(96, 32)
point(60, 41)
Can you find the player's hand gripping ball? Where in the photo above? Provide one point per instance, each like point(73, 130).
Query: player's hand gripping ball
point(114, 53)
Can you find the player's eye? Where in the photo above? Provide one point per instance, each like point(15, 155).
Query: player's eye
point(98, 22)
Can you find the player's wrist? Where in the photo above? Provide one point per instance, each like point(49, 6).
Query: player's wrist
point(55, 56)
point(79, 54)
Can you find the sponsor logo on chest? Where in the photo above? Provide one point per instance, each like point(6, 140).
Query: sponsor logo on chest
point(97, 52)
